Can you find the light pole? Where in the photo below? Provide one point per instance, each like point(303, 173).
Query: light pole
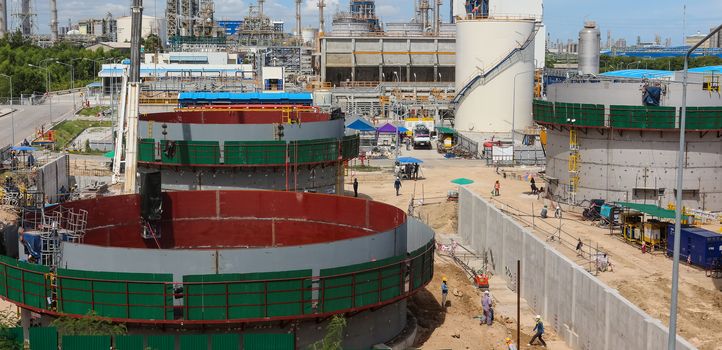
point(12, 112)
point(672, 340)
point(513, 106)
point(47, 90)
point(72, 82)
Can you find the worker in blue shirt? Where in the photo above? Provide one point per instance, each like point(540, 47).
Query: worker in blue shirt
point(539, 329)
point(444, 291)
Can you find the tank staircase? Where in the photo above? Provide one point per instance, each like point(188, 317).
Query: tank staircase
point(507, 61)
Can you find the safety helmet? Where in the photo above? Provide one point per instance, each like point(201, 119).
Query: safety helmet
point(508, 340)
point(443, 279)
point(538, 317)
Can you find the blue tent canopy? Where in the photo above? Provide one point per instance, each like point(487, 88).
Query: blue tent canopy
point(402, 129)
point(404, 160)
point(361, 125)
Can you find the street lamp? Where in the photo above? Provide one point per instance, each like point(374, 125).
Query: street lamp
point(72, 82)
point(672, 340)
point(47, 89)
point(12, 110)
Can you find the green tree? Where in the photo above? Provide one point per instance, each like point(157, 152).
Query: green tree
point(152, 44)
point(90, 324)
point(334, 335)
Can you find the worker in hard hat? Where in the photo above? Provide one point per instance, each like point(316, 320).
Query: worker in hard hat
point(539, 329)
point(486, 306)
point(444, 292)
point(509, 344)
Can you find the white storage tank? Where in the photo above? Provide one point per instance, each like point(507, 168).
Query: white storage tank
point(504, 98)
point(589, 41)
point(309, 36)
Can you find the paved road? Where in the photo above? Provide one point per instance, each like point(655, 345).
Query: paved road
point(27, 119)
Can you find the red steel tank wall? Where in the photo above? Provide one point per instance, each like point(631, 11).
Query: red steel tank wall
point(233, 117)
point(213, 219)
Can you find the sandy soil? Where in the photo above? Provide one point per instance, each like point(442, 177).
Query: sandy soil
point(455, 328)
point(643, 279)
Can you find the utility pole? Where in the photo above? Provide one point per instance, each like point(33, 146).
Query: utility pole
point(672, 340)
point(12, 113)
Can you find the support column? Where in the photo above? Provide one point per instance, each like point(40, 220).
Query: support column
point(408, 73)
point(436, 72)
point(381, 73)
point(353, 59)
point(25, 319)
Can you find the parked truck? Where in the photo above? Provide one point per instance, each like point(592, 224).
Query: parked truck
point(421, 137)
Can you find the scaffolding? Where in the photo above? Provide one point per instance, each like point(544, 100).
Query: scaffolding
point(573, 165)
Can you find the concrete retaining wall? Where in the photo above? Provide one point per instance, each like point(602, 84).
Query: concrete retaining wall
point(52, 177)
point(584, 311)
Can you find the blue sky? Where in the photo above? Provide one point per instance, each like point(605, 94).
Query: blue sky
point(563, 18)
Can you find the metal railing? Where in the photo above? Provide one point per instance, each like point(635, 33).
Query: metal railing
point(262, 299)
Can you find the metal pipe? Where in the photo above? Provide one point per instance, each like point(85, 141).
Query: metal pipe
point(137, 22)
point(672, 340)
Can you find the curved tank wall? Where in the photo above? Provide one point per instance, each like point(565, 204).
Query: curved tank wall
point(589, 41)
point(611, 166)
point(505, 98)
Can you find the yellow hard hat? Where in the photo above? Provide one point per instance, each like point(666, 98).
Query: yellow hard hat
point(443, 279)
point(508, 340)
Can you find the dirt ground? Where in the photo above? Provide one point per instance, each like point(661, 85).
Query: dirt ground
point(644, 279)
point(457, 327)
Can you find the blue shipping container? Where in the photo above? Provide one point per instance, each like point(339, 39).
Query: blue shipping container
point(704, 247)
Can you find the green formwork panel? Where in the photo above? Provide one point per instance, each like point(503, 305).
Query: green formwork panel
point(350, 146)
point(362, 288)
point(194, 342)
point(161, 342)
point(192, 153)
point(313, 151)
point(661, 117)
point(117, 295)
point(86, 342)
point(146, 150)
point(25, 283)
point(283, 341)
point(422, 265)
point(592, 115)
point(43, 338)
point(128, 342)
point(254, 152)
point(703, 118)
point(208, 300)
point(628, 116)
point(225, 342)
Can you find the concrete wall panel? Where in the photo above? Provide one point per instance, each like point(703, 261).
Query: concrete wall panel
point(585, 312)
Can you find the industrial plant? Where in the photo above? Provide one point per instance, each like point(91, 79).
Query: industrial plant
point(247, 183)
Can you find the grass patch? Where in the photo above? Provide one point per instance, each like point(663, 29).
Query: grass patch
point(364, 168)
point(92, 111)
point(67, 130)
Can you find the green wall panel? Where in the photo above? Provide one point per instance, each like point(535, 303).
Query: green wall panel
point(193, 152)
point(225, 342)
point(43, 338)
point(129, 342)
point(284, 341)
point(703, 118)
point(161, 342)
point(194, 342)
point(86, 342)
point(146, 150)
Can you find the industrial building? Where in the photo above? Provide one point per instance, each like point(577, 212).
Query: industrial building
point(358, 49)
point(616, 136)
point(151, 25)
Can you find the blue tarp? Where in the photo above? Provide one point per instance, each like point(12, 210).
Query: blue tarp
point(404, 160)
point(639, 74)
point(402, 129)
point(303, 98)
point(361, 125)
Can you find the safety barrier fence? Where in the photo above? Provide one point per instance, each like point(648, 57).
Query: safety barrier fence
point(224, 298)
point(48, 338)
point(247, 153)
point(625, 117)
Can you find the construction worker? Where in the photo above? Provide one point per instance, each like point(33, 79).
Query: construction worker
point(580, 245)
point(444, 292)
point(486, 306)
point(539, 329)
point(509, 344)
point(497, 187)
point(397, 185)
point(355, 187)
